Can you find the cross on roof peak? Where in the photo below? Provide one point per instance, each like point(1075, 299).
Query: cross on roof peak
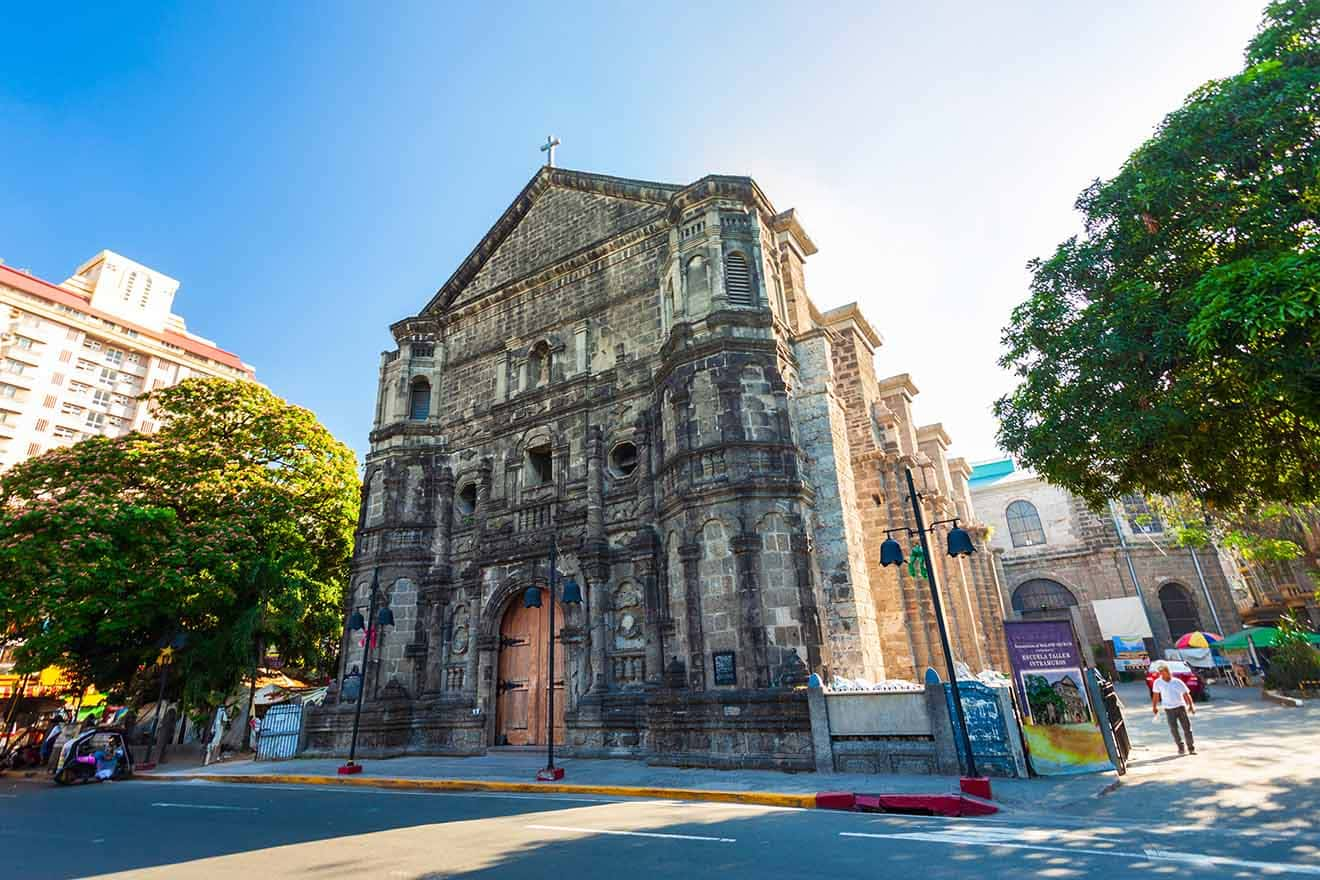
point(549, 147)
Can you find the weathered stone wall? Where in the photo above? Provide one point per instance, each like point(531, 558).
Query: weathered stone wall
point(634, 369)
point(1082, 552)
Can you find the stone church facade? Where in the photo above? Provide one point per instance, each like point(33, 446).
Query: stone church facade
point(635, 371)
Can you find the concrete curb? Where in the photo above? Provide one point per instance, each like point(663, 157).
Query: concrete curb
point(1280, 699)
point(759, 798)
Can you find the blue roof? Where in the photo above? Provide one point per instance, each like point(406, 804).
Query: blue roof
point(990, 472)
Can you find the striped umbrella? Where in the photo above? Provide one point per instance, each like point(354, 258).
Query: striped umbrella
point(1198, 639)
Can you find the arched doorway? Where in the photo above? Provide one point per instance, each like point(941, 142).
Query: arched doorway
point(1043, 599)
point(1179, 610)
point(521, 687)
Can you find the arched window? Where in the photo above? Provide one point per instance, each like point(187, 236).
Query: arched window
point(419, 401)
point(1042, 596)
point(1024, 524)
point(1140, 517)
point(738, 280)
point(1179, 609)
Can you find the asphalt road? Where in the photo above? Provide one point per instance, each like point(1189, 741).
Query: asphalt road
point(196, 830)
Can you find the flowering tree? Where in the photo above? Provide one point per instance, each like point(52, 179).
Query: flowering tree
point(232, 526)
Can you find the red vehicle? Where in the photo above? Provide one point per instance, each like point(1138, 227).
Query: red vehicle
point(1178, 669)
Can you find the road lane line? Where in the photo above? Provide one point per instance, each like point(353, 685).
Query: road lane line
point(1146, 855)
point(634, 833)
point(206, 807)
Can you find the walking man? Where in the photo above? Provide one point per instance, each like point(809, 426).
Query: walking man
point(1171, 694)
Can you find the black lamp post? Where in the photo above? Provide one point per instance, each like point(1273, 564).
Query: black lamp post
point(356, 623)
point(532, 599)
point(959, 544)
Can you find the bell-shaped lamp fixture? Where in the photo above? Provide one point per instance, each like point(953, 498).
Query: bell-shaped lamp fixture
point(572, 592)
point(532, 597)
point(385, 617)
point(960, 543)
point(891, 552)
point(356, 622)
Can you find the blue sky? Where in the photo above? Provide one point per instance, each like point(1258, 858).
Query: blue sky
point(313, 172)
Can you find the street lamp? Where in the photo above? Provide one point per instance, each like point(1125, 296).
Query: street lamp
point(959, 544)
point(532, 599)
point(356, 623)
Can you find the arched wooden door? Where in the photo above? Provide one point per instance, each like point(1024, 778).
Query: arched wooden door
point(521, 702)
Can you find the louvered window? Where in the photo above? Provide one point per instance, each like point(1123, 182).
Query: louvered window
point(738, 280)
point(419, 403)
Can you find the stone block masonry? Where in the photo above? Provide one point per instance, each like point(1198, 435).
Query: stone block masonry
point(635, 372)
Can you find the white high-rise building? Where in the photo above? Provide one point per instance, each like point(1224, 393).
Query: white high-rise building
point(75, 357)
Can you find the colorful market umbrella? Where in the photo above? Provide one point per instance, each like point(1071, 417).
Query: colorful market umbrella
point(1198, 639)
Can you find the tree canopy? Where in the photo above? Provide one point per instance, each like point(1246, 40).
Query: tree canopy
point(232, 526)
point(1174, 347)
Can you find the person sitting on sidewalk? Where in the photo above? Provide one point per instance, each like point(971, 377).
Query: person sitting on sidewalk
point(1171, 694)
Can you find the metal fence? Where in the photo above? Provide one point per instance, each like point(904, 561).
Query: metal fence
point(280, 732)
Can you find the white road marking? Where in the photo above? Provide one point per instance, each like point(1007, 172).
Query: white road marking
point(1009, 840)
point(206, 807)
point(634, 833)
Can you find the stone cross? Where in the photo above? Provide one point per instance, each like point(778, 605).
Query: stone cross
point(549, 147)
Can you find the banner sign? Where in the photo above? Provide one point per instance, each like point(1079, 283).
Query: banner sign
point(1060, 729)
point(1130, 653)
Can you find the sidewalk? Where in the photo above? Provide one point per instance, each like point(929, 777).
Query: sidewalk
point(637, 779)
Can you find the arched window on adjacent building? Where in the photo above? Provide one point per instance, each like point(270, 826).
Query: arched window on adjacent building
point(1140, 517)
point(1043, 597)
point(1024, 524)
point(419, 400)
point(1179, 609)
point(738, 280)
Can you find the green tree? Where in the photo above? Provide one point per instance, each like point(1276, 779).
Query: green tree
point(233, 524)
point(1294, 659)
point(1174, 347)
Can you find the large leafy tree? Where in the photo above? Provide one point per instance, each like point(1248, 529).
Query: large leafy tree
point(232, 526)
point(1174, 347)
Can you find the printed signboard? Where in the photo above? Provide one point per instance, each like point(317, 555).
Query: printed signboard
point(1130, 653)
point(1060, 728)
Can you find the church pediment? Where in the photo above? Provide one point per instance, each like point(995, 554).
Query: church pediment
point(558, 213)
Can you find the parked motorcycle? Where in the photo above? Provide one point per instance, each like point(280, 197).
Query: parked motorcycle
point(92, 756)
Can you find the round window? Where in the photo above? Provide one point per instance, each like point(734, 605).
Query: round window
point(465, 501)
point(623, 459)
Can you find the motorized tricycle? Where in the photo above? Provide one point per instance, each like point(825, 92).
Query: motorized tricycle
point(94, 755)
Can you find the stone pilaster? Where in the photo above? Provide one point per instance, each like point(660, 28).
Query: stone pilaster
point(755, 670)
point(691, 556)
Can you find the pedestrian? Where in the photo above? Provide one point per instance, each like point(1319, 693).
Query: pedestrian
point(1172, 695)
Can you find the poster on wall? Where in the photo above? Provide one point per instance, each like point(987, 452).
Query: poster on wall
point(1130, 654)
point(1060, 728)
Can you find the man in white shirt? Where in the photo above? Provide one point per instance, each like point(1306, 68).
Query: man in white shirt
point(1173, 696)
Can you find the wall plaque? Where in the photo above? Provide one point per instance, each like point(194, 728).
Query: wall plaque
point(726, 668)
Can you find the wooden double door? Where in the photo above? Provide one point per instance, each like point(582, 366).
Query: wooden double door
point(522, 693)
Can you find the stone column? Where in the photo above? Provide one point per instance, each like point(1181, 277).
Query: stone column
point(471, 595)
point(691, 556)
point(751, 628)
point(484, 471)
point(441, 548)
point(595, 485)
